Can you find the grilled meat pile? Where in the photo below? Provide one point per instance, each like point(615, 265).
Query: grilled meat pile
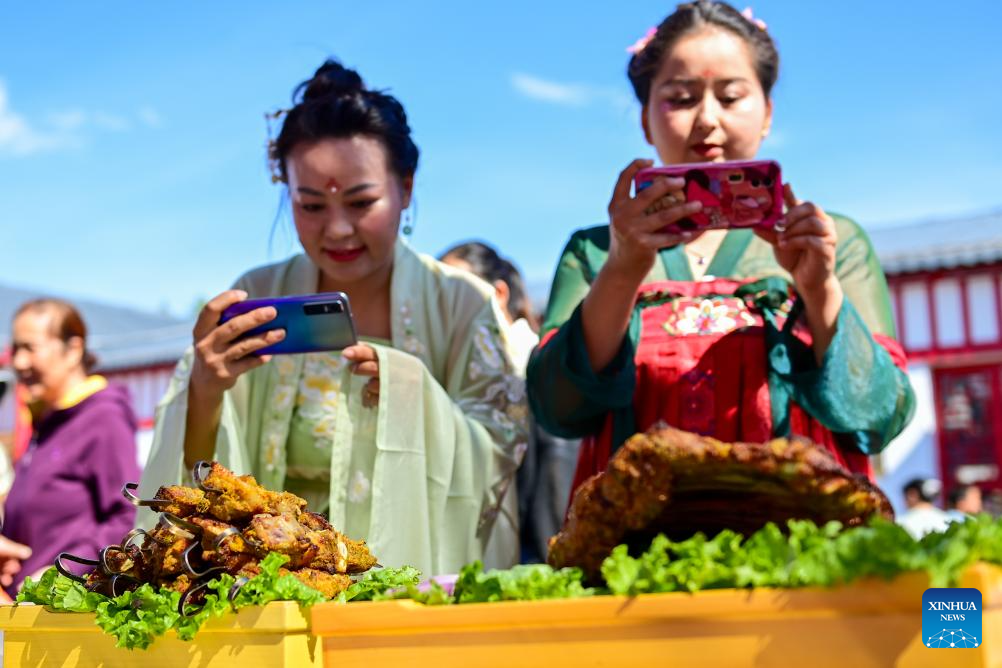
point(677, 483)
point(228, 524)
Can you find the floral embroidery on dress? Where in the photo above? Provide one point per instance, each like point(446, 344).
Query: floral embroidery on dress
point(276, 429)
point(272, 448)
point(358, 488)
point(486, 345)
point(282, 400)
point(319, 388)
point(716, 315)
point(411, 343)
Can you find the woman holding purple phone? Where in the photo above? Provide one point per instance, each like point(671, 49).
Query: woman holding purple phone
point(408, 439)
point(738, 334)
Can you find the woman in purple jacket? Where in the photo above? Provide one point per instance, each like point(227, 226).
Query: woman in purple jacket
point(67, 492)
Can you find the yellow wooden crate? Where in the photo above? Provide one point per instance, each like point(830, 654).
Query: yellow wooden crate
point(272, 636)
point(870, 623)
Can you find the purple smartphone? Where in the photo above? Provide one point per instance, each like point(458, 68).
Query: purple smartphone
point(747, 193)
point(312, 323)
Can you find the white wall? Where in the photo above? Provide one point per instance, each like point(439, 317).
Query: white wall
point(913, 454)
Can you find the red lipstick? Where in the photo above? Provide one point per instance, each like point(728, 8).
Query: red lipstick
point(346, 255)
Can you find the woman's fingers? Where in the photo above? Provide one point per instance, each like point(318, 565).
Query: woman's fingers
point(668, 190)
point(788, 197)
point(360, 352)
point(806, 243)
point(366, 369)
point(364, 359)
point(812, 226)
point(655, 223)
point(208, 317)
point(12, 549)
point(624, 184)
point(252, 344)
point(248, 363)
point(236, 327)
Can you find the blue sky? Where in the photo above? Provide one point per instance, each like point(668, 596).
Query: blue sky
point(132, 134)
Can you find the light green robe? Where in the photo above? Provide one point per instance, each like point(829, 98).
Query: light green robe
point(425, 488)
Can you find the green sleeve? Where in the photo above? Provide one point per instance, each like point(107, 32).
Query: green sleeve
point(566, 396)
point(858, 391)
point(862, 278)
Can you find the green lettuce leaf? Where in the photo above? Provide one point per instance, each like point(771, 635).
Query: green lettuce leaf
point(375, 585)
point(526, 582)
point(803, 555)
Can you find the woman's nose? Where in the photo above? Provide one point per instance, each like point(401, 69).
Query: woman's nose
point(708, 114)
point(338, 227)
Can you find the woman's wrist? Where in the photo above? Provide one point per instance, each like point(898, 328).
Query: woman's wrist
point(627, 273)
point(203, 395)
point(824, 298)
point(822, 306)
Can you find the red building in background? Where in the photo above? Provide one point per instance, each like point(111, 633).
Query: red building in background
point(945, 279)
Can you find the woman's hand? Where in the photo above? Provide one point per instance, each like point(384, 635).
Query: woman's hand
point(365, 363)
point(804, 242)
point(219, 357)
point(635, 238)
point(635, 235)
point(11, 556)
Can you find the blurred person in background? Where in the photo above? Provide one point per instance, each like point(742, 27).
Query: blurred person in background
point(67, 490)
point(963, 501)
point(545, 476)
point(922, 516)
point(6, 464)
point(484, 261)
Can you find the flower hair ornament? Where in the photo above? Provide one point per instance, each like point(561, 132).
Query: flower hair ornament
point(273, 166)
point(642, 43)
point(748, 14)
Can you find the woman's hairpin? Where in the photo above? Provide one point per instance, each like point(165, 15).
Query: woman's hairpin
point(642, 43)
point(748, 14)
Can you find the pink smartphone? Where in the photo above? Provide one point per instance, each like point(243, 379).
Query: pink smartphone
point(746, 193)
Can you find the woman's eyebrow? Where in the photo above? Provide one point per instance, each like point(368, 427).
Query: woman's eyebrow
point(350, 191)
point(692, 81)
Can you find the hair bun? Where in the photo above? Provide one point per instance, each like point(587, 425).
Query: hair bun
point(332, 78)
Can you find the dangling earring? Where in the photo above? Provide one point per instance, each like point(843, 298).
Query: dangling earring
point(408, 229)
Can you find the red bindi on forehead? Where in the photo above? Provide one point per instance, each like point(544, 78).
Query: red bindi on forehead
point(707, 74)
point(332, 185)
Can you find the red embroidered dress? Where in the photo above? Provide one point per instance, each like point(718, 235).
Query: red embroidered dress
point(728, 357)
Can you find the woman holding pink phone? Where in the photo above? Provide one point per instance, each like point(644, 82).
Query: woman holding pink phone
point(408, 439)
point(739, 334)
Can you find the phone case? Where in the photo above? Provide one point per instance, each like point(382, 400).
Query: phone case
point(312, 323)
point(746, 193)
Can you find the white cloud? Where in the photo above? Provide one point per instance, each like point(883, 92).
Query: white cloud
point(62, 130)
point(19, 138)
point(567, 94)
point(550, 91)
